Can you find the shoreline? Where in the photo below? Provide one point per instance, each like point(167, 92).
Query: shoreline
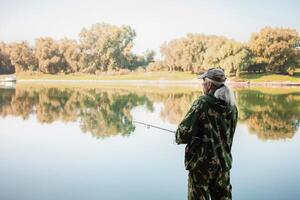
point(150, 78)
point(161, 82)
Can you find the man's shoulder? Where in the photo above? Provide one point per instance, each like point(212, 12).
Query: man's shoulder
point(200, 102)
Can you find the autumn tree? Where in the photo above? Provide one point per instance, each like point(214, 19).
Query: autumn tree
point(157, 66)
point(71, 55)
point(171, 53)
point(276, 49)
point(6, 66)
point(22, 56)
point(50, 58)
point(104, 47)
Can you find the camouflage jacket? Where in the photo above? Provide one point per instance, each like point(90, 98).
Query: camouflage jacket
point(208, 130)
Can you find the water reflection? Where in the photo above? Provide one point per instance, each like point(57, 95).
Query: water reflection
point(100, 113)
point(105, 112)
point(270, 116)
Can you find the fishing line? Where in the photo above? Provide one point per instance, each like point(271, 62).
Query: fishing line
point(153, 126)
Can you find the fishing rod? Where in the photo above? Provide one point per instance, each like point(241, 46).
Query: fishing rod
point(149, 125)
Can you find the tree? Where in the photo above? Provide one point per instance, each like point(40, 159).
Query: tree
point(198, 52)
point(172, 53)
point(276, 48)
point(71, 54)
point(49, 57)
point(106, 46)
point(22, 56)
point(237, 58)
point(134, 61)
point(6, 66)
point(149, 56)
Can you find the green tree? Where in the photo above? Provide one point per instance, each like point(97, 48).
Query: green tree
point(237, 58)
point(105, 46)
point(149, 56)
point(198, 52)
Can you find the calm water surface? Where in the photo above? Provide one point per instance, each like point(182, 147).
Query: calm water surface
point(80, 143)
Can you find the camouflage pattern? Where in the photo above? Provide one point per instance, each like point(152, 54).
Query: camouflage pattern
point(216, 185)
point(208, 130)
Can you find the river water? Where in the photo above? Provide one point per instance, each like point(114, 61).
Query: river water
point(75, 142)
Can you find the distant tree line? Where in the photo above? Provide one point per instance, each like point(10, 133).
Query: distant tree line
point(104, 47)
point(274, 50)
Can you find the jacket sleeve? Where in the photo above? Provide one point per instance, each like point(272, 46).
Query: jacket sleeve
point(190, 125)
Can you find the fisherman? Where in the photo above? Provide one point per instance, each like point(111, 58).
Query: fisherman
point(207, 130)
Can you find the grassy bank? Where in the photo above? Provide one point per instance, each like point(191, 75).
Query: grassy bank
point(131, 76)
point(149, 89)
point(180, 76)
point(265, 77)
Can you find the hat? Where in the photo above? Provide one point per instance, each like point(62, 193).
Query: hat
point(216, 74)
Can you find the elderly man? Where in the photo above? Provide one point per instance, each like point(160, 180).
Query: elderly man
point(208, 130)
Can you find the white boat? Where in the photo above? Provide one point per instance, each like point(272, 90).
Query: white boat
point(10, 78)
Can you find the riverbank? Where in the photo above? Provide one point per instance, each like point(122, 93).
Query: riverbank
point(193, 82)
point(147, 88)
point(164, 77)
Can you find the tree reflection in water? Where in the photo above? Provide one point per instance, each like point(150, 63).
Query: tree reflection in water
point(100, 113)
point(270, 116)
point(106, 112)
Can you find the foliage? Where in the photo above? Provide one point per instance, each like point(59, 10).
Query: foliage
point(49, 57)
point(6, 67)
point(198, 52)
point(275, 49)
point(108, 48)
point(157, 66)
point(102, 47)
point(22, 56)
point(71, 52)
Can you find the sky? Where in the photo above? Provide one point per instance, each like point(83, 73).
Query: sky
point(155, 21)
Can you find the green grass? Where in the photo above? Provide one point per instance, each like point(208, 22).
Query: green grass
point(266, 77)
point(272, 90)
point(131, 76)
point(164, 75)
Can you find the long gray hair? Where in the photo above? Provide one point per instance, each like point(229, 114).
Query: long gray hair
point(224, 93)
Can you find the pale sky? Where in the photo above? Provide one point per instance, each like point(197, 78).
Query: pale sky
point(155, 21)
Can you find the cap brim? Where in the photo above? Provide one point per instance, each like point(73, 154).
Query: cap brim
point(202, 76)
